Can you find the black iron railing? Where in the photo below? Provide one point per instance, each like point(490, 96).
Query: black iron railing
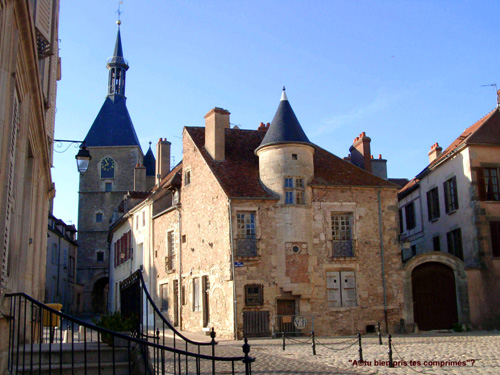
point(344, 248)
point(246, 247)
point(44, 340)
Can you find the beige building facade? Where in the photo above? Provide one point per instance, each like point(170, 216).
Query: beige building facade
point(252, 231)
point(29, 69)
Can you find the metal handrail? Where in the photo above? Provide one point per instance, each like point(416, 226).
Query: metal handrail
point(162, 317)
point(22, 340)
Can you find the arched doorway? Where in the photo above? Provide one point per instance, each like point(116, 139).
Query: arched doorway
point(100, 296)
point(434, 296)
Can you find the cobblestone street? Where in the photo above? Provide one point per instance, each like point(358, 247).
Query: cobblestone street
point(430, 353)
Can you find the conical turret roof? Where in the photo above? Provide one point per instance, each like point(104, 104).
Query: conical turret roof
point(285, 127)
point(150, 162)
point(117, 58)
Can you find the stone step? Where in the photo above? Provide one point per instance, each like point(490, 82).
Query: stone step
point(76, 354)
point(106, 368)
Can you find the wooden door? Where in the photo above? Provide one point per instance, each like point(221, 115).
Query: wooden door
point(286, 313)
point(434, 296)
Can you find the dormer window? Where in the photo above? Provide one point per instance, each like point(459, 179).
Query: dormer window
point(294, 190)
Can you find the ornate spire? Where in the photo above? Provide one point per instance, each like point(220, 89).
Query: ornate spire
point(117, 66)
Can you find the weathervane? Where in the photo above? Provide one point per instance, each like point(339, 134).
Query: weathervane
point(119, 12)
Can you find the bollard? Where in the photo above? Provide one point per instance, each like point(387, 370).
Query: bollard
point(379, 334)
point(313, 343)
point(360, 349)
point(284, 344)
point(247, 360)
point(391, 363)
point(212, 342)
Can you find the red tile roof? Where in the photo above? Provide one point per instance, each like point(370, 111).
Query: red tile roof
point(238, 174)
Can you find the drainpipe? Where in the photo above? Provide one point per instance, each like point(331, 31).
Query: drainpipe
point(382, 260)
point(235, 313)
point(179, 292)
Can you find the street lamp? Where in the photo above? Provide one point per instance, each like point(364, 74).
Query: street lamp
point(82, 158)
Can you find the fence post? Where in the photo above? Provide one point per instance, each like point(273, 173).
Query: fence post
point(284, 344)
point(212, 343)
point(391, 363)
point(360, 349)
point(247, 360)
point(313, 343)
point(379, 334)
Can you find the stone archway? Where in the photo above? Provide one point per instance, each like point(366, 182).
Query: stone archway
point(455, 270)
point(100, 295)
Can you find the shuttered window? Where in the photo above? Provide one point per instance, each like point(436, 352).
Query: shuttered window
point(341, 289)
point(433, 204)
point(495, 238)
point(451, 195)
point(454, 239)
point(410, 216)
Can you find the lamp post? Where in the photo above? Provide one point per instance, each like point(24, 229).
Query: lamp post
point(82, 158)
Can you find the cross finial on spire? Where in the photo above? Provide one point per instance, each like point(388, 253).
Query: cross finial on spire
point(119, 12)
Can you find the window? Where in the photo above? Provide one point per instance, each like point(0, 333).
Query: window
point(247, 242)
point(436, 243)
point(107, 168)
point(143, 218)
point(401, 229)
point(196, 294)
point(164, 297)
point(341, 289)
point(184, 238)
point(54, 253)
point(294, 156)
point(410, 216)
point(100, 256)
point(254, 295)
point(491, 184)
point(342, 245)
point(433, 204)
point(450, 195)
point(187, 177)
point(294, 190)
point(136, 222)
point(71, 270)
point(98, 217)
point(183, 295)
point(495, 238)
point(171, 253)
point(108, 186)
point(455, 243)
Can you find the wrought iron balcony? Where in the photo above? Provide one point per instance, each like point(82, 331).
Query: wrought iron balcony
point(246, 247)
point(342, 249)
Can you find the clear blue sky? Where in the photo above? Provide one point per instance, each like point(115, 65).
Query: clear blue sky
point(408, 73)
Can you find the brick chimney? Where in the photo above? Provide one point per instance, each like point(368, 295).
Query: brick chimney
point(162, 159)
point(435, 152)
point(216, 122)
point(361, 152)
point(140, 178)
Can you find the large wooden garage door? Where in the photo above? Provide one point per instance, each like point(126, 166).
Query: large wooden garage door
point(434, 296)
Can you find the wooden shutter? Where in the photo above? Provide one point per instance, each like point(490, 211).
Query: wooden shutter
point(481, 186)
point(495, 238)
point(348, 282)
point(43, 20)
point(333, 289)
point(455, 192)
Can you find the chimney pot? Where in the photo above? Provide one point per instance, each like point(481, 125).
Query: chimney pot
point(380, 156)
point(216, 123)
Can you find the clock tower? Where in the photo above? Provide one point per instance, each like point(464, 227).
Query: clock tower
point(115, 150)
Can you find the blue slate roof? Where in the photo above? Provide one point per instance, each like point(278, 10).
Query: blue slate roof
point(285, 128)
point(150, 162)
point(113, 125)
point(118, 58)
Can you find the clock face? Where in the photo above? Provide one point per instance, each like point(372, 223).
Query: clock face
point(107, 164)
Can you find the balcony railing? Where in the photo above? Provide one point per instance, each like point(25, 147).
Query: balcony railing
point(342, 249)
point(246, 247)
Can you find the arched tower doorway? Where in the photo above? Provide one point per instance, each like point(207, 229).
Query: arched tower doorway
point(434, 296)
point(100, 296)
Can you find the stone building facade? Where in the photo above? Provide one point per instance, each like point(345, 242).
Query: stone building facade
point(256, 227)
point(29, 71)
point(116, 167)
point(450, 218)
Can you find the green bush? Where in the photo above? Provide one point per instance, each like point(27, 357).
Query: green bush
point(117, 323)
